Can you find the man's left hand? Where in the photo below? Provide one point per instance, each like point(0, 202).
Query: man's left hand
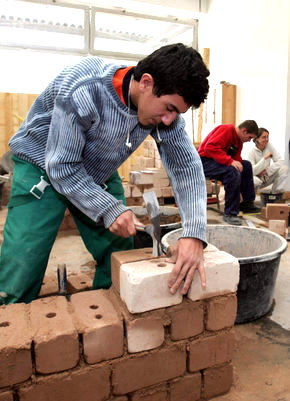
point(187, 255)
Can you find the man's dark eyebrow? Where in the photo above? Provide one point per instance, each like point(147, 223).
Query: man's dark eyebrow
point(175, 108)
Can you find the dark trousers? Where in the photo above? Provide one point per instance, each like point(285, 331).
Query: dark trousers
point(234, 181)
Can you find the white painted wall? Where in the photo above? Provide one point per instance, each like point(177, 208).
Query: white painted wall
point(23, 71)
point(249, 43)
point(249, 47)
point(287, 115)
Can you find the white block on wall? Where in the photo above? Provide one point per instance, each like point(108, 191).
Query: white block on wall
point(222, 276)
point(144, 285)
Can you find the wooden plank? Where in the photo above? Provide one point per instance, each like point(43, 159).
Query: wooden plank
point(8, 130)
point(228, 103)
point(13, 109)
point(205, 56)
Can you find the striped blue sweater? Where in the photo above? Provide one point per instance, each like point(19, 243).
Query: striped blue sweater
point(76, 131)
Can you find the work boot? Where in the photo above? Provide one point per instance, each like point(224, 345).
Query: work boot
point(249, 207)
point(233, 220)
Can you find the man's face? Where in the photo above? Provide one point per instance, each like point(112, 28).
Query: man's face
point(245, 136)
point(153, 110)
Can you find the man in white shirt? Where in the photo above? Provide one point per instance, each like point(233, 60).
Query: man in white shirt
point(268, 166)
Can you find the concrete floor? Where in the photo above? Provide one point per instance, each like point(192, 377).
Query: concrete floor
point(262, 355)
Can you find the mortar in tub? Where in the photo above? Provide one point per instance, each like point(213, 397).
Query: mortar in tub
point(259, 252)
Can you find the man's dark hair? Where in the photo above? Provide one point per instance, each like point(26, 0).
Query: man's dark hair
point(176, 69)
point(251, 126)
point(261, 131)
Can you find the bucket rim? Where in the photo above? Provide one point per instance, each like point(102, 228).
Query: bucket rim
point(242, 260)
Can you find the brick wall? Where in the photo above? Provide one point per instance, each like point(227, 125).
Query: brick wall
point(90, 346)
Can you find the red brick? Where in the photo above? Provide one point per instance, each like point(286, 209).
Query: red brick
point(160, 396)
point(209, 351)
point(159, 393)
point(277, 211)
point(188, 388)
point(6, 189)
point(86, 384)
point(186, 320)
point(144, 334)
point(3, 216)
point(263, 212)
point(7, 396)
point(49, 286)
point(119, 258)
point(79, 282)
point(146, 370)
point(221, 312)
point(101, 327)
point(15, 345)
point(68, 222)
point(278, 227)
point(217, 381)
point(55, 337)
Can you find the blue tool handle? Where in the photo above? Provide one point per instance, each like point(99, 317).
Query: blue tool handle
point(61, 277)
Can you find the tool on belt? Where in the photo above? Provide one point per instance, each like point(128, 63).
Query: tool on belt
point(154, 229)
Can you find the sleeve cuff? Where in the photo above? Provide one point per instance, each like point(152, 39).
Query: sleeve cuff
point(114, 212)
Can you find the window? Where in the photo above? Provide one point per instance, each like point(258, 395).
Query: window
point(32, 25)
point(78, 29)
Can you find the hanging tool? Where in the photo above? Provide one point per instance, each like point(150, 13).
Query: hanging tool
point(153, 210)
point(62, 280)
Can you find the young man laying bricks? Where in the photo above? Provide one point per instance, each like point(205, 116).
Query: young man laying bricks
point(85, 124)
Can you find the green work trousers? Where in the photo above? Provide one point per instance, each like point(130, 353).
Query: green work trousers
point(31, 228)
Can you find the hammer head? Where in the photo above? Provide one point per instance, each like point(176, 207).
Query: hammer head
point(153, 210)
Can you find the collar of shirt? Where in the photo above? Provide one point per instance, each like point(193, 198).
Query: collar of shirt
point(121, 82)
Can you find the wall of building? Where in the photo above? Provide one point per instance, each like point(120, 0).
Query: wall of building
point(246, 49)
point(249, 43)
point(287, 114)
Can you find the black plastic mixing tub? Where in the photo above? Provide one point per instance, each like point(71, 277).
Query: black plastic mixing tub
point(258, 252)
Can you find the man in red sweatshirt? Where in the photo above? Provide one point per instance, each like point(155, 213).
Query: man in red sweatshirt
point(220, 154)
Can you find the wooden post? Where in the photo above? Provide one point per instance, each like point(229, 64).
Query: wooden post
point(205, 56)
point(228, 103)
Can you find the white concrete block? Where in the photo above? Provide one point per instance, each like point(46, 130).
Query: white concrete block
point(144, 334)
point(211, 248)
point(144, 285)
point(141, 177)
point(222, 276)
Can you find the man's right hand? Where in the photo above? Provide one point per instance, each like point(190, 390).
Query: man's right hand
point(124, 225)
point(237, 165)
point(268, 155)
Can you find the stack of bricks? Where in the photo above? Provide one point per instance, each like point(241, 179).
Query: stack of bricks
point(148, 174)
point(277, 216)
point(133, 342)
point(5, 192)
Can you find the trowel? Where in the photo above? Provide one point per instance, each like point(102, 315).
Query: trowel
point(154, 230)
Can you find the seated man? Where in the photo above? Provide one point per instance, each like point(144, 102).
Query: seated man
point(268, 166)
point(220, 154)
